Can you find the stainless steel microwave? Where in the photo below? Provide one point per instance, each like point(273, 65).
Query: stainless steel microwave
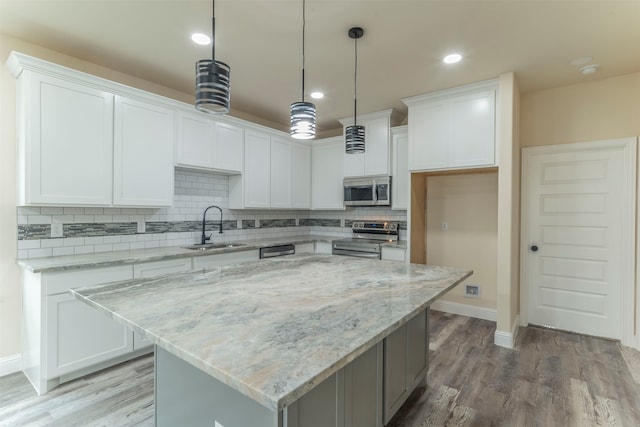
point(367, 191)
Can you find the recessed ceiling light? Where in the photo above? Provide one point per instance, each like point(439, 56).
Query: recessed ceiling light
point(317, 95)
point(581, 61)
point(452, 58)
point(589, 69)
point(200, 38)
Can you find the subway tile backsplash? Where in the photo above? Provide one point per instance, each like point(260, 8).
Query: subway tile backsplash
point(88, 230)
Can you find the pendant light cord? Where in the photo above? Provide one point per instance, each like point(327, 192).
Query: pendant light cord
point(213, 30)
point(355, 84)
point(304, 24)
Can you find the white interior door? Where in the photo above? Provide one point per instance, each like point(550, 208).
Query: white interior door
point(578, 232)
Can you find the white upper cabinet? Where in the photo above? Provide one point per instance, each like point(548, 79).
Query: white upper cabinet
point(142, 154)
point(276, 173)
point(257, 175)
point(228, 148)
point(327, 174)
point(300, 176)
point(399, 167)
point(195, 142)
point(453, 128)
point(203, 143)
point(65, 139)
point(280, 182)
point(375, 159)
point(82, 141)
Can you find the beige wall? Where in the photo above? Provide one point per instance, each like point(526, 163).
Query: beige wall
point(602, 109)
point(469, 205)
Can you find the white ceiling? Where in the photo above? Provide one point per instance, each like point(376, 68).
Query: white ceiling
point(400, 54)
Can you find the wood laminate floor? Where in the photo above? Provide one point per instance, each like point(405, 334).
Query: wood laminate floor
point(551, 378)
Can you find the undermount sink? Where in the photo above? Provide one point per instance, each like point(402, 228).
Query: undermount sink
point(208, 246)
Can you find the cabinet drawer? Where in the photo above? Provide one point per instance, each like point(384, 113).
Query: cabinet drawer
point(220, 260)
point(157, 268)
point(393, 254)
point(55, 283)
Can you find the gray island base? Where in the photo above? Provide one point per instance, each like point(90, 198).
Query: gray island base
point(297, 341)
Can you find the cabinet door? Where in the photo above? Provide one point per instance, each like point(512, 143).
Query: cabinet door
point(473, 130)
point(400, 172)
point(195, 141)
point(319, 407)
point(396, 384)
point(79, 336)
point(67, 143)
point(363, 389)
point(429, 136)
point(418, 348)
point(300, 176)
point(257, 170)
point(143, 154)
point(327, 190)
point(376, 160)
point(354, 163)
point(229, 148)
point(280, 173)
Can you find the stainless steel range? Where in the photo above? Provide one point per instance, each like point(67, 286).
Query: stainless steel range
point(367, 239)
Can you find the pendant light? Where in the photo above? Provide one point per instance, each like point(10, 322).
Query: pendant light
point(212, 79)
point(303, 114)
point(354, 134)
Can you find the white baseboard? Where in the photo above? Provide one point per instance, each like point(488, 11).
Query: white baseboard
point(9, 365)
point(507, 339)
point(465, 310)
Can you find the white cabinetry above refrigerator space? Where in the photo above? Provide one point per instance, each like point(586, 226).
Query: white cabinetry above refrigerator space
point(453, 128)
point(86, 141)
point(203, 143)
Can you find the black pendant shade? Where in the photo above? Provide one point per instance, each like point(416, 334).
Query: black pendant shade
point(354, 134)
point(303, 114)
point(213, 80)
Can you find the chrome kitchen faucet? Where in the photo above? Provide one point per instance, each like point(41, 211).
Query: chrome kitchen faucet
point(204, 216)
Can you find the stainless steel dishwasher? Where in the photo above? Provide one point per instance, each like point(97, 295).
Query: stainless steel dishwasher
point(277, 250)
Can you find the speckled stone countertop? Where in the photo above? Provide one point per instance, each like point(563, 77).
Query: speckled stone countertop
point(275, 328)
point(106, 259)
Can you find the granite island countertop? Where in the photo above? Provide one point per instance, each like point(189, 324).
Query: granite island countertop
point(275, 328)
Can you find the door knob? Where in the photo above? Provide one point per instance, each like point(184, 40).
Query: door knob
point(533, 248)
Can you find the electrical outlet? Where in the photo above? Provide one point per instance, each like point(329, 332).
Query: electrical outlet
point(472, 291)
point(141, 226)
point(445, 226)
point(56, 230)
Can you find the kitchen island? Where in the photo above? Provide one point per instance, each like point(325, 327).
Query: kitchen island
point(243, 345)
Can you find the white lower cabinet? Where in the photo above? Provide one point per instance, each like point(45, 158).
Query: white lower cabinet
point(305, 248)
point(393, 254)
point(63, 338)
point(323, 247)
point(405, 362)
point(81, 336)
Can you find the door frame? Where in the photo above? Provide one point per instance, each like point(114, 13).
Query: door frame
point(629, 295)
